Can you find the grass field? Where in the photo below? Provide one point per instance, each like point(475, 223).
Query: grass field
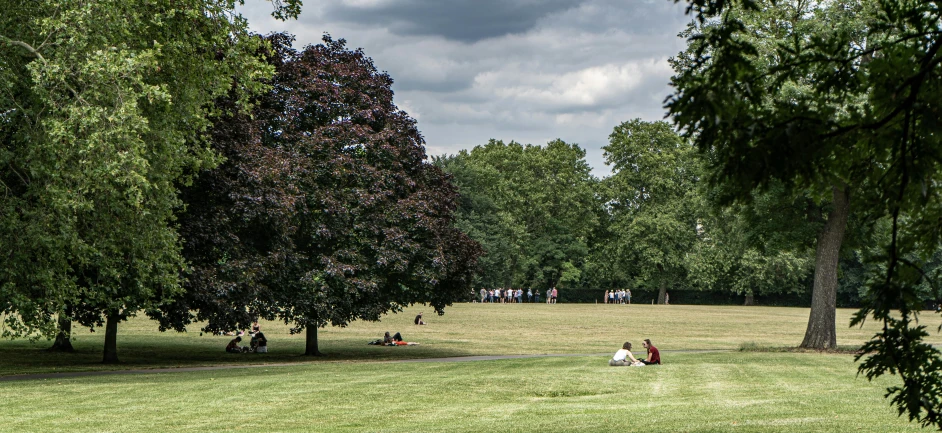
point(356, 387)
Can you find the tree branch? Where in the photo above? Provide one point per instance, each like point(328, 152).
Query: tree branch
point(24, 45)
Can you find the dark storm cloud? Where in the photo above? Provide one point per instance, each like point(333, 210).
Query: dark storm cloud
point(461, 20)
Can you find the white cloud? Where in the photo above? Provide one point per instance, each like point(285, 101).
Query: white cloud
point(571, 70)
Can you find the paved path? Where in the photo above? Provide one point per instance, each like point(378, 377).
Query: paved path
point(48, 376)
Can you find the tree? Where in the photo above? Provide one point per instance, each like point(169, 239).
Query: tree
point(767, 28)
point(872, 115)
point(533, 208)
point(757, 248)
point(103, 105)
point(325, 211)
point(655, 201)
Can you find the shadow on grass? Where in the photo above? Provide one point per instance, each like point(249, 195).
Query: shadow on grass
point(755, 347)
point(23, 357)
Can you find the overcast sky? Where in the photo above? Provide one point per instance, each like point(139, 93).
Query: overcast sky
point(524, 70)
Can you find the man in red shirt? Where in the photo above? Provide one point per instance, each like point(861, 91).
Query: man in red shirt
point(654, 357)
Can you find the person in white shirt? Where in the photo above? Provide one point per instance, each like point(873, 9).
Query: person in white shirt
point(624, 357)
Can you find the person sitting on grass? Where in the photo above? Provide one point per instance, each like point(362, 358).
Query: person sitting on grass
point(654, 356)
point(233, 346)
point(259, 343)
point(623, 357)
point(418, 319)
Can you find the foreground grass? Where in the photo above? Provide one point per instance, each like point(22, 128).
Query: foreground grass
point(465, 329)
point(706, 392)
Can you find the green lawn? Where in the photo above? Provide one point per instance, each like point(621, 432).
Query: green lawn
point(352, 390)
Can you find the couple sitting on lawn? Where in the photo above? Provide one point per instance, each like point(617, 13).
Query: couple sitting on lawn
point(395, 340)
point(259, 344)
point(624, 357)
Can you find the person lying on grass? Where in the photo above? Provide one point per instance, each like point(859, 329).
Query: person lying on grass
point(624, 357)
point(395, 340)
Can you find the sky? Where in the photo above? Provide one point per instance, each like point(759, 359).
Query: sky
point(524, 70)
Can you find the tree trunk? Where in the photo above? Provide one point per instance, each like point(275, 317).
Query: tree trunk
point(111, 339)
point(310, 342)
point(662, 292)
point(821, 332)
point(63, 341)
point(750, 299)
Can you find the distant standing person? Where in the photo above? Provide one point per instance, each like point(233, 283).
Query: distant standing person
point(628, 294)
point(555, 294)
point(529, 296)
point(667, 298)
point(654, 356)
point(483, 295)
point(537, 296)
point(605, 298)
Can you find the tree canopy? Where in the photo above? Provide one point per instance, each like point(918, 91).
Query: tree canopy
point(868, 118)
point(534, 209)
point(103, 107)
point(324, 211)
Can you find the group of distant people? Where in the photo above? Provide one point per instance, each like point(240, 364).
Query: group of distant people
point(257, 344)
point(515, 296)
point(623, 356)
point(621, 296)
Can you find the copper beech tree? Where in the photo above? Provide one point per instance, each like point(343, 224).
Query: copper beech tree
point(325, 210)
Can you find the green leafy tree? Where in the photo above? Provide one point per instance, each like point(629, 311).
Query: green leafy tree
point(655, 201)
point(102, 106)
point(532, 208)
point(767, 28)
point(760, 247)
point(870, 119)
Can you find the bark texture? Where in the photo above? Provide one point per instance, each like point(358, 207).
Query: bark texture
point(821, 332)
point(750, 299)
point(310, 342)
point(111, 339)
point(63, 341)
point(662, 292)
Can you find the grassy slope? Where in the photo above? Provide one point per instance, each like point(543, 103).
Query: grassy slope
point(465, 329)
point(695, 392)
point(747, 392)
